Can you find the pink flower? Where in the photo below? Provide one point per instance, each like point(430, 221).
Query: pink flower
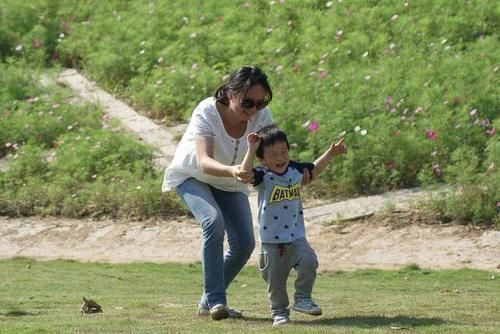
point(492, 132)
point(313, 126)
point(485, 122)
point(322, 73)
point(437, 170)
point(431, 134)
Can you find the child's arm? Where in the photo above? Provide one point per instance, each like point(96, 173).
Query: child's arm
point(253, 143)
point(322, 162)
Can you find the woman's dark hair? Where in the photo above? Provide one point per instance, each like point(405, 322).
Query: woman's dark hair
point(269, 135)
point(240, 81)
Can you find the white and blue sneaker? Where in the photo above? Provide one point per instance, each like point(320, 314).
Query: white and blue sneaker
point(281, 319)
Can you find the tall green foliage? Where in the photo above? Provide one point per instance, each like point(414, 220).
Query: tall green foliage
point(408, 82)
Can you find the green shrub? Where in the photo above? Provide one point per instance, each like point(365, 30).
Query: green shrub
point(409, 88)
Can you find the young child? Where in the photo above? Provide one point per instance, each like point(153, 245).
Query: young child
point(282, 234)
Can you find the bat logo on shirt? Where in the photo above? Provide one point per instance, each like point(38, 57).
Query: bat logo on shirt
point(280, 193)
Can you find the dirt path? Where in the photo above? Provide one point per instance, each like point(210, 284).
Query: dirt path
point(381, 241)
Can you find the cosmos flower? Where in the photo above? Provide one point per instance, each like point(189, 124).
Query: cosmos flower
point(313, 126)
point(431, 134)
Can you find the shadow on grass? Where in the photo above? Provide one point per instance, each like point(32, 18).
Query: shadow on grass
point(374, 321)
point(363, 321)
point(16, 313)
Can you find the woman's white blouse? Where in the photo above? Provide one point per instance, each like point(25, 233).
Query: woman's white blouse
point(206, 122)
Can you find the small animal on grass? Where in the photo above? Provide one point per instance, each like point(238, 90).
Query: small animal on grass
point(90, 306)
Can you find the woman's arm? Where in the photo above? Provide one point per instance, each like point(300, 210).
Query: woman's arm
point(206, 161)
point(208, 165)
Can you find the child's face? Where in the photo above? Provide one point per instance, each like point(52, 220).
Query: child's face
point(276, 157)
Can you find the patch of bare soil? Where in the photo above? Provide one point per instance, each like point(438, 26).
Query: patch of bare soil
point(388, 241)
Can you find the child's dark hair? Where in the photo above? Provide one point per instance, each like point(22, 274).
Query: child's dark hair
point(240, 81)
point(269, 135)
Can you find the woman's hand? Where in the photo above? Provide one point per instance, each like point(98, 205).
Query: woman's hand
point(242, 176)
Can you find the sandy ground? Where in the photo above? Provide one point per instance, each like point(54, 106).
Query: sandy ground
point(385, 241)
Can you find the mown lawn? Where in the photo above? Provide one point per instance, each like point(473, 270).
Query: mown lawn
point(44, 297)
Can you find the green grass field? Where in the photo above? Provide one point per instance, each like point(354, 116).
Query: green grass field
point(44, 297)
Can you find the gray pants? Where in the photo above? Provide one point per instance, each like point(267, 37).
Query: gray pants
point(276, 261)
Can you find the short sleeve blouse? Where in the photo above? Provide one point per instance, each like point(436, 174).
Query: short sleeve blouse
point(206, 122)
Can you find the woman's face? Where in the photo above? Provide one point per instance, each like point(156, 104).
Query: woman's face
point(246, 106)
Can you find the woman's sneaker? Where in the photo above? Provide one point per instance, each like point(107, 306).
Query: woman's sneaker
point(307, 306)
point(219, 312)
point(233, 314)
point(281, 319)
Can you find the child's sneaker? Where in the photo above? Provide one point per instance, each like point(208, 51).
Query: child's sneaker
point(281, 319)
point(307, 306)
point(233, 314)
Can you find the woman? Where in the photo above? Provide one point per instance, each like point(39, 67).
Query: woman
point(205, 174)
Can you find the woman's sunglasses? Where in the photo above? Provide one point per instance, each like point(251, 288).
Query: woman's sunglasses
point(249, 104)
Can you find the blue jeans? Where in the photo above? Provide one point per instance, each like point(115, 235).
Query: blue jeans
point(219, 212)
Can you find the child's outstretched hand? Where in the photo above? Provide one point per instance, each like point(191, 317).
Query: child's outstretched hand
point(253, 141)
point(339, 147)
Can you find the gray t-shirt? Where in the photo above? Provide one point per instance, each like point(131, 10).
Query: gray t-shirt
point(280, 215)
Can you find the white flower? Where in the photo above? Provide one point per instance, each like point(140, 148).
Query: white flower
point(363, 132)
point(357, 128)
point(19, 47)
